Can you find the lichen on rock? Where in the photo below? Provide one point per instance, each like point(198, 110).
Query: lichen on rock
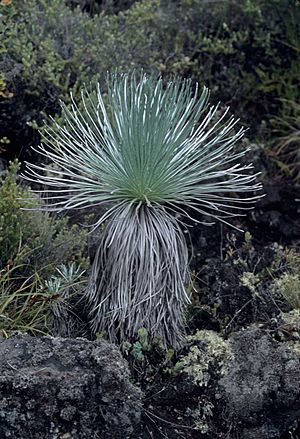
point(207, 348)
point(55, 388)
point(261, 387)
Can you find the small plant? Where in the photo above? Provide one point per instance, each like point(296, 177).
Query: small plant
point(289, 286)
point(35, 241)
point(63, 286)
point(40, 256)
point(36, 305)
point(288, 283)
point(152, 153)
point(286, 151)
point(139, 348)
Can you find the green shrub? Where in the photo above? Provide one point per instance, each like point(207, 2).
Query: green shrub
point(285, 149)
point(287, 285)
point(35, 239)
point(41, 262)
point(60, 48)
point(99, 6)
point(36, 305)
point(14, 225)
point(246, 52)
point(51, 49)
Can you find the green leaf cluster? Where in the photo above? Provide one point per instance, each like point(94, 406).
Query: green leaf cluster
point(148, 352)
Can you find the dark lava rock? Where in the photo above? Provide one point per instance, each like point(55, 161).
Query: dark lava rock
point(54, 388)
point(261, 386)
point(276, 216)
point(245, 387)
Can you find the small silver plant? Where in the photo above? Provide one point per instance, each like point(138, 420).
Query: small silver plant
point(148, 153)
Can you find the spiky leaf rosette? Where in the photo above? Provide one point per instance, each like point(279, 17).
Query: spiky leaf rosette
point(150, 151)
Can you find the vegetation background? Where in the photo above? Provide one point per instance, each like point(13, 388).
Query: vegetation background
point(247, 53)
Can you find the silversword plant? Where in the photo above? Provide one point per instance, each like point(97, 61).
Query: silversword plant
point(151, 154)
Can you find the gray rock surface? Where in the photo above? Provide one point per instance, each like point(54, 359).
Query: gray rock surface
point(52, 388)
point(262, 385)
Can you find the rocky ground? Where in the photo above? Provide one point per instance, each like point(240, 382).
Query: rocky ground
point(66, 388)
point(236, 377)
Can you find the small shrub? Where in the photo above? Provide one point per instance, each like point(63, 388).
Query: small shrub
point(36, 305)
point(246, 52)
point(285, 150)
point(38, 258)
point(35, 240)
point(14, 225)
point(289, 286)
point(63, 287)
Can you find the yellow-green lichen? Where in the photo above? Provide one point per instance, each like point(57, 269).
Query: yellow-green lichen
point(202, 415)
point(290, 329)
point(250, 280)
point(294, 346)
point(292, 319)
point(208, 349)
